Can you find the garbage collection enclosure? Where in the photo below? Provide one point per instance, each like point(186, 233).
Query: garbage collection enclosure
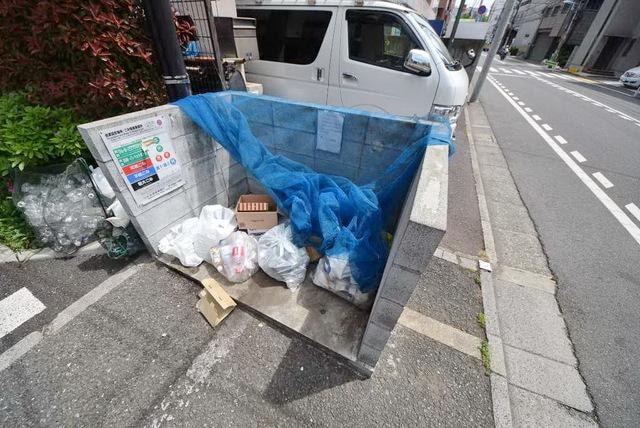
point(361, 147)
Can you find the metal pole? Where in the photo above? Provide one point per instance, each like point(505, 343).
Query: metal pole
point(455, 24)
point(217, 52)
point(501, 27)
point(167, 48)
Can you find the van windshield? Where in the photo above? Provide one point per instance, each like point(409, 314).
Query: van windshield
point(435, 42)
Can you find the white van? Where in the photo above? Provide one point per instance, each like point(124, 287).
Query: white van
point(371, 55)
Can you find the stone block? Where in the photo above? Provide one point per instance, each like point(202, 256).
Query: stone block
point(255, 110)
point(264, 133)
point(391, 133)
point(350, 154)
point(417, 246)
point(354, 127)
point(295, 116)
point(553, 379)
point(376, 336)
point(369, 355)
point(238, 190)
point(385, 313)
point(193, 146)
point(205, 190)
point(334, 168)
point(255, 186)
point(295, 141)
point(234, 174)
point(199, 170)
point(520, 250)
point(514, 217)
point(304, 160)
point(530, 319)
point(164, 214)
point(398, 284)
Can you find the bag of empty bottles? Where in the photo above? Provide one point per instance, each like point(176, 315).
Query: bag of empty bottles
point(280, 258)
point(63, 209)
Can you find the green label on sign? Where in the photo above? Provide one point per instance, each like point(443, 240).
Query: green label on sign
point(130, 153)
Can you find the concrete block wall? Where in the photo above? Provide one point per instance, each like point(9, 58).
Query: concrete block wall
point(210, 175)
point(422, 224)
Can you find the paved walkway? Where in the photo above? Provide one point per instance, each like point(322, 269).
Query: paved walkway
point(535, 379)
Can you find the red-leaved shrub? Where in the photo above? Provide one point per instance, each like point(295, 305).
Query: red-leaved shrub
point(91, 55)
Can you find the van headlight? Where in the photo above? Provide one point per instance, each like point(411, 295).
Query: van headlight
point(450, 113)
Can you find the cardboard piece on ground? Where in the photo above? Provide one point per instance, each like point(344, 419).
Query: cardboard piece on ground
point(215, 304)
point(256, 220)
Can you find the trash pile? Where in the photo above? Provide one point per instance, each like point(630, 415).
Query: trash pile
point(69, 209)
point(214, 238)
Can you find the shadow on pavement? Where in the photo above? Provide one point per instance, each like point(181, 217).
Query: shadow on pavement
point(301, 374)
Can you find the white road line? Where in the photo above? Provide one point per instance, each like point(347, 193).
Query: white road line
point(586, 98)
point(504, 70)
point(520, 103)
point(531, 73)
point(609, 204)
point(536, 117)
point(14, 353)
point(493, 70)
point(625, 117)
point(516, 98)
point(576, 154)
point(518, 72)
point(478, 68)
point(443, 333)
point(560, 139)
point(603, 180)
point(634, 210)
point(546, 127)
point(18, 308)
point(528, 110)
point(563, 77)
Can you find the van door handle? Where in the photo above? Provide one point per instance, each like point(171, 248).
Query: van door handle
point(319, 74)
point(349, 76)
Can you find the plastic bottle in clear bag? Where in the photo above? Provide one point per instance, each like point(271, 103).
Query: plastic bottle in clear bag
point(280, 258)
point(236, 258)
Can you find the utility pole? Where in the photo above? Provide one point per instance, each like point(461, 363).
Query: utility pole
point(500, 29)
point(159, 18)
point(576, 7)
point(455, 24)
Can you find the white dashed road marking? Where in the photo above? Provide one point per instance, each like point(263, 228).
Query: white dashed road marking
point(546, 127)
point(506, 71)
point(634, 210)
point(603, 180)
point(624, 220)
point(493, 70)
point(518, 72)
point(576, 154)
point(528, 110)
point(520, 103)
point(18, 308)
point(560, 139)
point(536, 117)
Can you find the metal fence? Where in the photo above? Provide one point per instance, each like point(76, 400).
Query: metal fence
point(199, 41)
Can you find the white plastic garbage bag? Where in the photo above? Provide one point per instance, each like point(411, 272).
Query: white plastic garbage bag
point(102, 184)
point(334, 274)
point(179, 242)
point(120, 218)
point(280, 258)
point(236, 257)
point(214, 224)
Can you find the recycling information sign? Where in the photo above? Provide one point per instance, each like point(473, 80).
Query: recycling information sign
point(145, 157)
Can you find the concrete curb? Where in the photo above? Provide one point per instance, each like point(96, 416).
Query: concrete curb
point(534, 376)
point(9, 256)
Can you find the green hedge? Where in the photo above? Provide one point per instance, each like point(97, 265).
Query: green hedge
point(30, 136)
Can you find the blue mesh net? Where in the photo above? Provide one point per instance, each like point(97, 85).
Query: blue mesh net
point(342, 202)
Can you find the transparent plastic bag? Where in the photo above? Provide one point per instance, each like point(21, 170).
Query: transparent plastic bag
point(63, 208)
point(236, 257)
point(280, 258)
point(334, 274)
point(214, 224)
point(179, 243)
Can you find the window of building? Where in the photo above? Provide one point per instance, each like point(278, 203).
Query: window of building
point(629, 46)
point(291, 36)
point(379, 38)
point(593, 4)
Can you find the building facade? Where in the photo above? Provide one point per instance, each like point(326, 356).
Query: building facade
point(610, 45)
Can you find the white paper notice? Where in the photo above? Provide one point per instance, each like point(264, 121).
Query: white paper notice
point(329, 135)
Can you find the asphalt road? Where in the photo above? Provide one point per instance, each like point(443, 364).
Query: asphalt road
point(578, 189)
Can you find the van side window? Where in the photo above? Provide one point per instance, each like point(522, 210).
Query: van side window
point(379, 38)
point(291, 36)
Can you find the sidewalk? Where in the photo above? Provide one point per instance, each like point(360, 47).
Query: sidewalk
point(535, 379)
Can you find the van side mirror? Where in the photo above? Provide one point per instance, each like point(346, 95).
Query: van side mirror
point(417, 61)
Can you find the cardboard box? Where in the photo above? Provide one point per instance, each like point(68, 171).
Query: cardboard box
point(215, 304)
point(256, 220)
